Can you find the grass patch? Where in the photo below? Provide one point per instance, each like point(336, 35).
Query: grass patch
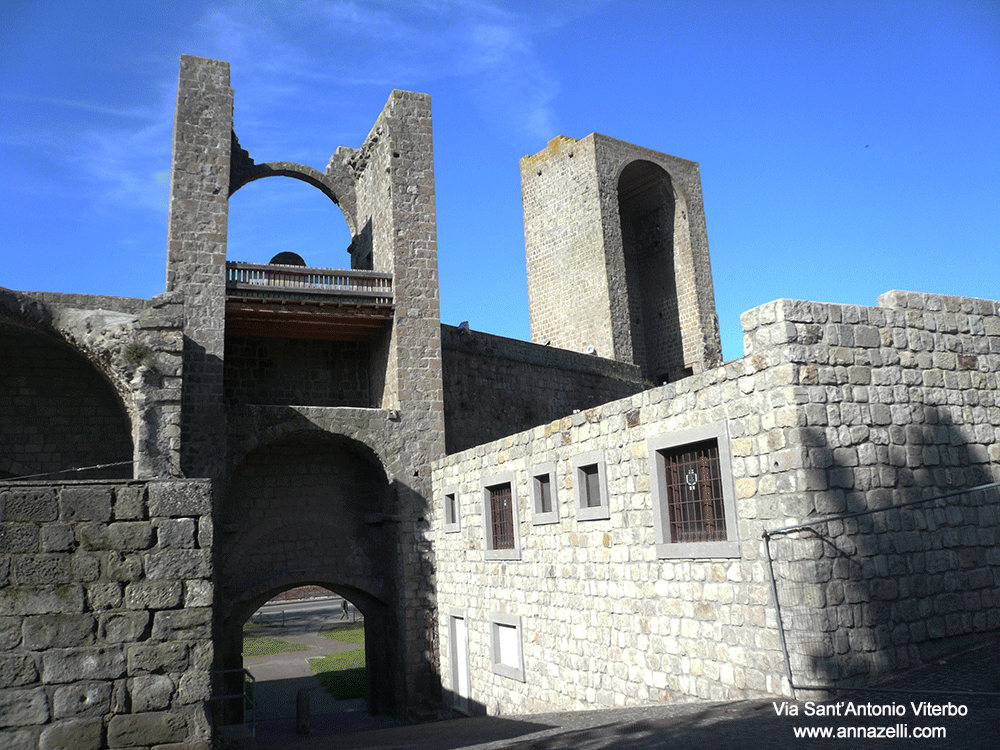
point(353, 633)
point(343, 674)
point(265, 645)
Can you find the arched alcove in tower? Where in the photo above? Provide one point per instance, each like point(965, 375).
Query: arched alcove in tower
point(649, 214)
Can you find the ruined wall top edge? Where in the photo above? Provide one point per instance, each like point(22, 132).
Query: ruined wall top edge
point(561, 143)
point(501, 347)
point(804, 311)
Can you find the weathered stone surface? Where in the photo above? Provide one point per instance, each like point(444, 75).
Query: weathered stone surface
point(18, 537)
point(154, 594)
point(151, 692)
point(89, 503)
point(179, 499)
point(17, 669)
point(41, 599)
point(158, 657)
point(35, 505)
point(82, 699)
point(78, 734)
point(128, 536)
point(130, 503)
point(144, 729)
point(10, 633)
point(182, 624)
point(175, 533)
point(59, 631)
point(75, 664)
point(19, 739)
point(123, 627)
point(22, 707)
point(178, 564)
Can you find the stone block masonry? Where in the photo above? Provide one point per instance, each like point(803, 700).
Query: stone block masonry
point(835, 409)
point(105, 614)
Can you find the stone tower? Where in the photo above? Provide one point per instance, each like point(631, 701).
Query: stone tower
point(313, 396)
point(617, 255)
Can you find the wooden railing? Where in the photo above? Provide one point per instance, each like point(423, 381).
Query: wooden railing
point(271, 281)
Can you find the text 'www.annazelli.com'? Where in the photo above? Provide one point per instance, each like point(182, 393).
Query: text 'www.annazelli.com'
point(897, 731)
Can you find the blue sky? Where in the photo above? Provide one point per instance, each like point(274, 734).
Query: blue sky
point(846, 148)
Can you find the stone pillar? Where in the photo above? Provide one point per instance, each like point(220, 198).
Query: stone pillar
point(396, 207)
point(196, 253)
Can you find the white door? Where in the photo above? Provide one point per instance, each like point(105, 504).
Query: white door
point(460, 663)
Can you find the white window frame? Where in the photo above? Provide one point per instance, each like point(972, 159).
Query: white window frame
point(538, 518)
point(498, 620)
point(452, 524)
point(507, 477)
point(665, 546)
point(586, 512)
point(459, 702)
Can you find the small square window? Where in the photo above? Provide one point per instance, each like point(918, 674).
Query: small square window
point(500, 518)
point(507, 652)
point(693, 496)
point(544, 496)
point(590, 487)
point(452, 511)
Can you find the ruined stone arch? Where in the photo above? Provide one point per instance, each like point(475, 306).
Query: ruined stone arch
point(243, 175)
point(65, 406)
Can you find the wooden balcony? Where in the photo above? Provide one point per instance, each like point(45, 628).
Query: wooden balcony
point(310, 303)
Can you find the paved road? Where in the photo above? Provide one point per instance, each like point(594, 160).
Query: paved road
point(685, 726)
point(713, 726)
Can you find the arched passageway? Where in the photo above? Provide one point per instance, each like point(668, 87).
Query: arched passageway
point(297, 512)
point(59, 413)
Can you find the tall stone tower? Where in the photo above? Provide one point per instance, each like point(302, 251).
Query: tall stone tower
point(617, 255)
point(313, 396)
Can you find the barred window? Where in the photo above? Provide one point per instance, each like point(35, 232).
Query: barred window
point(694, 500)
point(694, 493)
point(502, 516)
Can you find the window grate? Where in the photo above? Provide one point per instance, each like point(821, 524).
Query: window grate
point(502, 516)
point(694, 493)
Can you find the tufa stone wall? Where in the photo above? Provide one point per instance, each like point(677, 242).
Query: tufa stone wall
point(304, 372)
point(836, 409)
point(91, 380)
point(588, 269)
point(496, 386)
point(105, 614)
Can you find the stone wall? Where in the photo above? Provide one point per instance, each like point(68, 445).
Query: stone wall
point(586, 288)
point(91, 380)
point(105, 614)
point(836, 408)
point(302, 372)
point(496, 386)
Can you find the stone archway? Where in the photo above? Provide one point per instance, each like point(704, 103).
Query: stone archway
point(60, 414)
point(297, 511)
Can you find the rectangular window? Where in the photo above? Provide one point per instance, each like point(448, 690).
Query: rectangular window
point(693, 497)
point(506, 647)
point(544, 493)
point(452, 516)
point(500, 518)
point(590, 487)
point(544, 497)
point(694, 493)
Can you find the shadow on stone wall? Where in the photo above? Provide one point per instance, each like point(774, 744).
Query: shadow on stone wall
point(871, 593)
